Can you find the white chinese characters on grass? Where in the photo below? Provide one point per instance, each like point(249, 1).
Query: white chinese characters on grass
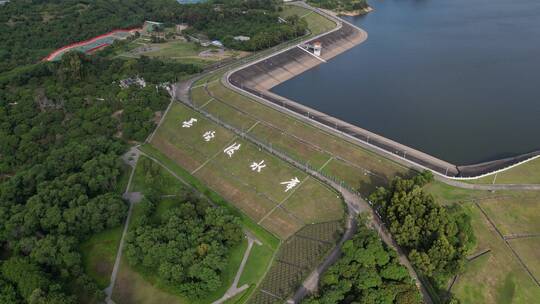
point(258, 166)
point(189, 123)
point(231, 149)
point(209, 135)
point(291, 184)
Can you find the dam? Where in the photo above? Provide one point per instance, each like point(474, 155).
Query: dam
point(324, 90)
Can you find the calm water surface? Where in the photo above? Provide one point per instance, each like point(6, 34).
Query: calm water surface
point(458, 79)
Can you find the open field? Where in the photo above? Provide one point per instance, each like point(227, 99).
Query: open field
point(527, 173)
point(446, 194)
point(496, 277)
point(529, 250)
point(164, 183)
point(261, 195)
point(177, 50)
point(515, 215)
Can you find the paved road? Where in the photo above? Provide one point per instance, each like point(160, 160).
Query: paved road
point(489, 187)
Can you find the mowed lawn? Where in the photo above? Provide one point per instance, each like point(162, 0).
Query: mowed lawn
point(529, 250)
point(177, 50)
point(515, 215)
point(496, 277)
point(261, 195)
point(353, 165)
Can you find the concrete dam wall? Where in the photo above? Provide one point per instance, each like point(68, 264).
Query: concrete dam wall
point(257, 78)
point(266, 74)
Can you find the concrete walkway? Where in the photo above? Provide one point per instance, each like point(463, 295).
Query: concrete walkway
point(234, 289)
point(489, 187)
point(131, 158)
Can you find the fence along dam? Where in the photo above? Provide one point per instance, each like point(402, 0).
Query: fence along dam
point(259, 77)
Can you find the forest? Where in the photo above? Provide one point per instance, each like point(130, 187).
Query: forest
point(63, 127)
point(257, 19)
point(367, 272)
point(186, 248)
point(437, 238)
point(33, 29)
point(340, 5)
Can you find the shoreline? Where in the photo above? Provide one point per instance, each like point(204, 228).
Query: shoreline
point(360, 12)
point(255, 79)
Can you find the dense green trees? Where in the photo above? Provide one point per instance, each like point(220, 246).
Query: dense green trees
point(368, 272)
point(62, 130)
point(340, 5)
point(436, 237)
point(32, 29)
point(186, 248)
point(257, 19)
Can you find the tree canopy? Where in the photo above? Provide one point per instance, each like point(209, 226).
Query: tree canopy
point(437, 238)
point(33, 29)
point(63, 127)
point(340, 5)
point(186, 248)
point(367, 272)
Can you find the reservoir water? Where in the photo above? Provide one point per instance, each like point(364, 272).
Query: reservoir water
point(458, 79)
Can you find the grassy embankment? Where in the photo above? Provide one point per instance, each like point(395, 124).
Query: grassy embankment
point(317, 24)
point(527, 173)
point(260, 195)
